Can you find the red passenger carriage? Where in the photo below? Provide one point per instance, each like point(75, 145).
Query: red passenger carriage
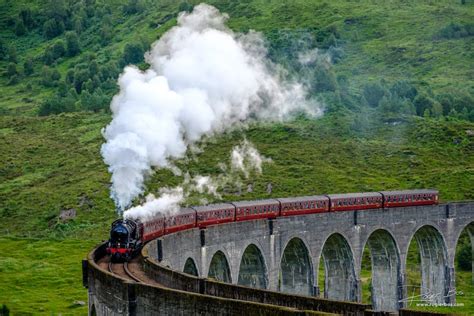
point(355, 201)
point(185, 218)
point(409, 198)
point(249, 210)
point(304, 205)
point(214, 214)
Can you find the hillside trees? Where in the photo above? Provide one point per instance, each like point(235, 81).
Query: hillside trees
point(72, 44)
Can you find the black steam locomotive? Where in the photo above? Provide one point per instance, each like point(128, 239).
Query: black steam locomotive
point(124, 242)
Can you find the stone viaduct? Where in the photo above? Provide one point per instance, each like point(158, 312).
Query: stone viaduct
point(284, 254)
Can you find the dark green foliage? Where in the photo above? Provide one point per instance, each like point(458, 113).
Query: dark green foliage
point(133, 53)
point(27, 17)
point(404, 90)
point(423, 104)
point(3, 49)
point(49, 77)
point(11, 70)
point(56, 105)
point(373, 93)
point(70, 76)
point(464, 254)
point(58, 49)
point(133, 7)
point(53, 28)
point(13, 80)
point(72, 44)
point(55, 75)
point(57, 10)
point(20, 28)
point(324, 78)
point(80, 77)
point(456, 30)
point(185, 6)
point(28, 67)
point(52, 53)
point(12, 56)
point(95, 101)
point(4, 311)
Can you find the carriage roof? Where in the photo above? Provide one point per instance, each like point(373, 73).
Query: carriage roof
point(256, 203)
point(214, 207)
point(303, 199)
point(354, 195)
point(410, 192)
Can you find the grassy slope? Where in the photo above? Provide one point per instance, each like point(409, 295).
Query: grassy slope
point(50, 164)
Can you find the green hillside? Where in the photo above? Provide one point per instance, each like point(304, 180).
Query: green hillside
point(399, 113)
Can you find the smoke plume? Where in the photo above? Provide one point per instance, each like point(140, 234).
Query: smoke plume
point(244, 160)
point(203, 78)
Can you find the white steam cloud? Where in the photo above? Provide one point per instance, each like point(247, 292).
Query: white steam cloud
point(244, 159)
point(203, 79)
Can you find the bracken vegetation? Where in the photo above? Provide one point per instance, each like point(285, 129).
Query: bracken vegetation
point(395, 79)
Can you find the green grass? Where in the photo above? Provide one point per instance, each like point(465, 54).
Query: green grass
point(43, 276)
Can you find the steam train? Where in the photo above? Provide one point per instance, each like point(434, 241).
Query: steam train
point(127, 236)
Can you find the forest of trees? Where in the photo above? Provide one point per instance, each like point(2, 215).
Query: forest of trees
point(74, 31)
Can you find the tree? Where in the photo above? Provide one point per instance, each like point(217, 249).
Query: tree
point(11, 70)
point(3, 49)
point(58, 49)
point(80, 76)
point(20, 28)
point(28, 67)
point(464, 257)
point(46, 77)
point(93, 68)
point(437, 109)
point(404, 90)
point(373, 93)
point(27, 17)
point(53, 28)
point(72, 43)
point(56, 9)
point(70, 76)
point(54, 105)
point(12, 56)
point(422, 103)
point(133, 7)
point(13, 80)
point(55, 75)
point(324, 79)
point(133, 53)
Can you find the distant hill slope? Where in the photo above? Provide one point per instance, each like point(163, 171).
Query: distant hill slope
point(398, 95)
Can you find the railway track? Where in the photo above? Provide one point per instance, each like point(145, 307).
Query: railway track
point(122, 270)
